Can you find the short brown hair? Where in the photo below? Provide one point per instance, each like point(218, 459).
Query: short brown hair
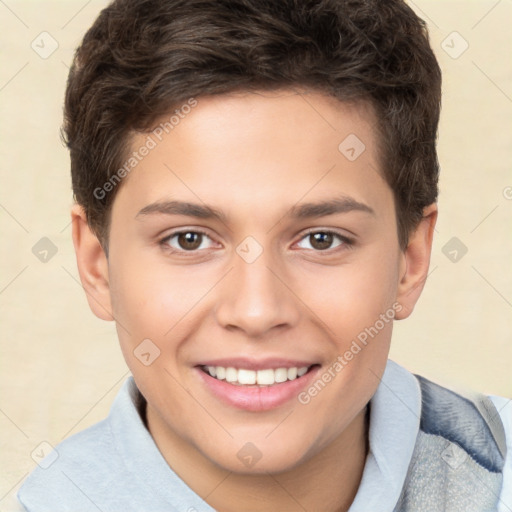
point(143, 58)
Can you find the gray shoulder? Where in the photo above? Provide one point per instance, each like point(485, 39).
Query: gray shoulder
point(504, 408)
point(470, 420)
point(73, 473)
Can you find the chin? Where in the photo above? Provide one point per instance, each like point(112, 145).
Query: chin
point(253, 458)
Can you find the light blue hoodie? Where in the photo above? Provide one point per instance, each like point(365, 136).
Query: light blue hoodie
point(430, 450)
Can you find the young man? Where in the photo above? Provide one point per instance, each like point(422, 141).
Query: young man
point(256, 188)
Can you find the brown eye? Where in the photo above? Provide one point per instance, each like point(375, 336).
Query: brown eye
point(189, 240)
point(321, 240)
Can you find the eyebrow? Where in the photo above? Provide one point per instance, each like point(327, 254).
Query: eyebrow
point(305, 210)
point(337, 205)
point(182, 208)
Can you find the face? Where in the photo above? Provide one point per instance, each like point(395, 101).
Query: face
point(255, 249)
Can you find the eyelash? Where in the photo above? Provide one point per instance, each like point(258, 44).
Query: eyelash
point(346, 242)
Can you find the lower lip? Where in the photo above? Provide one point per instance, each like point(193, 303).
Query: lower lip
point(255, 398)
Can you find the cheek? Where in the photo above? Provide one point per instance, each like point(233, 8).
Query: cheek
point(157, 301)
point(156, 311)
point(355, 306)
point(347, 298)
point(145, 295)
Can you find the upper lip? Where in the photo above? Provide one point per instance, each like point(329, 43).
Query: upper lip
point(257, 364)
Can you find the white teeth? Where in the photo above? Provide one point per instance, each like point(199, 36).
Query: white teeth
point(231, 374)
point(292, 373)
point(281, 375)
point(246, 377)
point(267, 377)
point(302, 371)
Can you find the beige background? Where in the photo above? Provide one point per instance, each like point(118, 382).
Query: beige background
point(61, 367)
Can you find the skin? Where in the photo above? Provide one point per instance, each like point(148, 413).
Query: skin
point(254, 156)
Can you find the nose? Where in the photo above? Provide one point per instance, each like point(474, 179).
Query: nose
point(255, 298)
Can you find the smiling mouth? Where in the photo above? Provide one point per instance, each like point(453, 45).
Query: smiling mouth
point(258, 378)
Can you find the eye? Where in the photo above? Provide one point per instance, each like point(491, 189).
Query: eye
point(323, 240)
point(187, 240)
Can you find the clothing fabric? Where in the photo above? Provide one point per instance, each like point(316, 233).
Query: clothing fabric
point(424, 440)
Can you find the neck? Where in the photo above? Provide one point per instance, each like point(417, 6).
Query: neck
point(327, 482)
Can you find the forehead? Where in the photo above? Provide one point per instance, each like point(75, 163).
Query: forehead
point(253, 150)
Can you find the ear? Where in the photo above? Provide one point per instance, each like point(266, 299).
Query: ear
point(92, 265)
point(415, 262)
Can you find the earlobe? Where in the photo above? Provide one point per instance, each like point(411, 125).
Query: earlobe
point(415, 262)
point(92, 265)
